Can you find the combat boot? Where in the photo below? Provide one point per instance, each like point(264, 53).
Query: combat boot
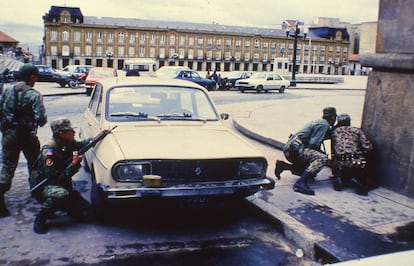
point(301, 185)
point(280, 167)
point(3, 208)
point(337, 183)
point(39, 225)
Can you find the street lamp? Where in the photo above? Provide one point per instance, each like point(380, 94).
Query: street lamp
point(295, 46)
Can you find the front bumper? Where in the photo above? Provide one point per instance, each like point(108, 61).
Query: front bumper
point(240, 188)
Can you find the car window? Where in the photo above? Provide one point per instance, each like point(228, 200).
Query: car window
point(164, 102)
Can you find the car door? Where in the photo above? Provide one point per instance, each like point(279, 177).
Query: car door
point(268, 84)
point(278, 81)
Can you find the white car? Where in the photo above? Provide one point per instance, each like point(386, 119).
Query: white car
point(169, 143)
point(263, 82)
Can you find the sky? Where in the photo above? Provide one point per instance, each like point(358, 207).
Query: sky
point(22, 19)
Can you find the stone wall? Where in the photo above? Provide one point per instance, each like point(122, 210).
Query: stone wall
point(388, 117)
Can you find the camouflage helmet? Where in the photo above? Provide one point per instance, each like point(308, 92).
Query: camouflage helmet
point(26, 71)
point(343, 120)
point(329, 111)
point(60, 124)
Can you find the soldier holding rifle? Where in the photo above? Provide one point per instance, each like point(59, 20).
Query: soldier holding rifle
point(51, 181)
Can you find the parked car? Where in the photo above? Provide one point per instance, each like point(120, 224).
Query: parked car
point(46, 73)
point(169, 144)
point(186, 74)
point(96, 73)
point(263, 82)
point(234, 76)
point(63, 76)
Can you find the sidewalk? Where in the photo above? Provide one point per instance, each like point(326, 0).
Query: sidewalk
point(332, 225)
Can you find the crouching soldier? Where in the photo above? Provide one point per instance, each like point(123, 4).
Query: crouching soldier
point(351, 151)
point(57, 163)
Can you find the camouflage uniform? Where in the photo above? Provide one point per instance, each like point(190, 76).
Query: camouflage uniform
point(58, 193)
point(303, 151)
point(55, 164)
point(21, 112)
point(350, 148)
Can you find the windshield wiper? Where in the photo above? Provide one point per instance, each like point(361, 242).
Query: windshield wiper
point(181, 116)
point(134, 114)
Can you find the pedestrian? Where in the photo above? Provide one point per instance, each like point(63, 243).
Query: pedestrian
point(215, 77)
point(21, 112)
point(303, 151)
point(58, 161)
point(351, 148)
point(208, 75)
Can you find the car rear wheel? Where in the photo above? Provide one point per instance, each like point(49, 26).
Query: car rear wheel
point(259, 89)
point(282, 89)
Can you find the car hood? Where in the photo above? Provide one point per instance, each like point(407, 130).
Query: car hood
point(182, 142)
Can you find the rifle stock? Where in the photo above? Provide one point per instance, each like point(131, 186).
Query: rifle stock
point(81, 151)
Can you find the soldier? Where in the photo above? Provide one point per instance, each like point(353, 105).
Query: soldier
point(303, 151)
point(58, 161)
point(350, 148)
point(21, 112)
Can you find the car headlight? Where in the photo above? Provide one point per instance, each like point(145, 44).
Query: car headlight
point(131, 171)
point(252, 168)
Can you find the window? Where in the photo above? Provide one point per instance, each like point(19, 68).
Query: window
point(110, 37)
point(131, 38)
point(142, 38)
point(182, 41)
point(141, 51)
point(191, 41)
point(256, 43)
point(246, 56)
point(200, 54)
point(190, 54)
point(53, 36)
point(181, 53)
point(228, 43)
point(238, 43)
point(209, 54)
point(121, 51)
point(162, 40)
point(247, 44)
point(152, 52)
point(121, 37)
point(65, 50)
point(77, 51)
point(53, 50)
point(172, 40)
point(77, 36)
point(200, 42)
point(99, 37)
point(162, 52)
point(153, 39)
point(99, 50)
point(65, 36)
point(218, 43)
point(131, 51)
point(88, 50)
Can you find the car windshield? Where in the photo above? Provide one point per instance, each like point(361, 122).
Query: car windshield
point(233, 75)
point(258, 75)
point(158, 103)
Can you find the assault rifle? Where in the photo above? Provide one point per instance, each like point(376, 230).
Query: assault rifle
point(36, 181)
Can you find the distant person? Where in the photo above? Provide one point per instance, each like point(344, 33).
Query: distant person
point(351, 150)
point(21, 112)
point(208, 75)
point(304, 153)
point(215, 77)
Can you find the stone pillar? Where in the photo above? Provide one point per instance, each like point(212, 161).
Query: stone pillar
point(388, 116)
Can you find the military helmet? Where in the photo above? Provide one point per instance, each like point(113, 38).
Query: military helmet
point(329, 111)
point(61, 124)
point(343, 120)
point(26, 71)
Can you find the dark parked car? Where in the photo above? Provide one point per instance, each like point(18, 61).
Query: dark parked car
point(70, 71)
point(46, 73)
point(234, 76)
point(186, 74)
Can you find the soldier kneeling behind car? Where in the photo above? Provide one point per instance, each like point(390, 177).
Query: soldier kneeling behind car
point(57, 163)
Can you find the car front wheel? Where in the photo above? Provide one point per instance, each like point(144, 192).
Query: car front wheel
point(259, 89)
point(97, 200)
point(282, 89)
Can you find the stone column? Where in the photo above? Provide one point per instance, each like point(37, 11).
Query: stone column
point(388, 116)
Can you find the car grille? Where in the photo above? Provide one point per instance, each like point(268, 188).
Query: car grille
point(184, 171)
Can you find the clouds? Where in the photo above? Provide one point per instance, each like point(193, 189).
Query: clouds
point(226, 12)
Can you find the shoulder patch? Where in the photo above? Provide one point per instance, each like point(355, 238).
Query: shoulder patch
point(49, 162)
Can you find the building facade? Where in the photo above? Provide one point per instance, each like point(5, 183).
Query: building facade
point(71, 38)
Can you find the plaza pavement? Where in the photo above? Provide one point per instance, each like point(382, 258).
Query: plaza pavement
point(333, 226)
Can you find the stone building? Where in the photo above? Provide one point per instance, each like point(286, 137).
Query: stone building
point(72, 38)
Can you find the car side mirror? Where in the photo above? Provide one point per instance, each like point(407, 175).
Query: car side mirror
point(224, 116)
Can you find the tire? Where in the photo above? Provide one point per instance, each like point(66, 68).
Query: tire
point(73, 83)
point(282, 89)
point(62, 84)
point(259, 89)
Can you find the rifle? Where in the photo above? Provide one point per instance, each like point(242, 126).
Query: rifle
point(37, 181)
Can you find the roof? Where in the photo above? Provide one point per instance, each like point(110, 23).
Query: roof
point(6, 38)
point(178, 25)
point(55, 11)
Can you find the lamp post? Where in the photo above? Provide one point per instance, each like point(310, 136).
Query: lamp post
point(295, 46)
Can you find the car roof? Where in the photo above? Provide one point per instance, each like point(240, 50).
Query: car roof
point(134, 81)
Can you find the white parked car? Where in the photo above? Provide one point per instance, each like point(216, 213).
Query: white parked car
point(169, 143)
point(263, 82)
